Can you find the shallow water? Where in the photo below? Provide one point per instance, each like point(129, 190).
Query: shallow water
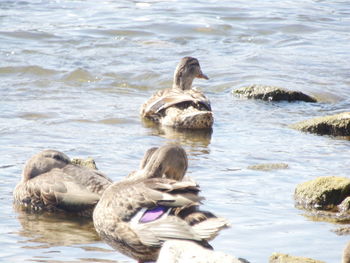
point(74, 74)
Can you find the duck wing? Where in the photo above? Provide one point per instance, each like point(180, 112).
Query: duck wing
point(149, 207)
point(178, 196)
point(172, 227)
point(171, 97)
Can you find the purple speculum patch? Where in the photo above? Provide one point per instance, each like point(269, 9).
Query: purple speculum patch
point(153, 214)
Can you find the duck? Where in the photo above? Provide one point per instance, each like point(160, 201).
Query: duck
point(138, 214)
point(181, 106)
point(51, 182)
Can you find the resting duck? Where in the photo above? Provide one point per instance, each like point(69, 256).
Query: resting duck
point(181, 106)
point(137, 215)
point(50, 182)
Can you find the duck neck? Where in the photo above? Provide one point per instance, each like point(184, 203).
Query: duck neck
point(182, 83)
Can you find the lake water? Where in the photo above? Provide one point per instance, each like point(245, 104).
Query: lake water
point(75, 73)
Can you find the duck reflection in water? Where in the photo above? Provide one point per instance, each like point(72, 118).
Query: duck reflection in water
point(193, 138)
point(55, 229)
point(137, 215)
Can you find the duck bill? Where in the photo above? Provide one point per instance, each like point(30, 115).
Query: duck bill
point(202, 76)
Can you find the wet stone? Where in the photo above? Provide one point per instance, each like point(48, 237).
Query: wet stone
point(271, 93)
point(176, 251)
point(324, 193)
point(336, 125)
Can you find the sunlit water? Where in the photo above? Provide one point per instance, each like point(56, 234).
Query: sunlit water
point(74, 74)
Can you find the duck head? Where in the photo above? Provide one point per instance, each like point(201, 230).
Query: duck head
point(169, 161)
point(44, 162)
point(186, 71)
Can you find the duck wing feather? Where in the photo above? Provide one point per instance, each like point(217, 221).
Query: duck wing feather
point(171, 97)
point(129, 198)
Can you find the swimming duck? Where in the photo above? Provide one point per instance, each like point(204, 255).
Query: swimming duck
point(137, 215)
point(50, 182)
point(181, 106)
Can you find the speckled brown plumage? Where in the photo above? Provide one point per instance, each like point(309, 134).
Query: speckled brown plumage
point(50, 182)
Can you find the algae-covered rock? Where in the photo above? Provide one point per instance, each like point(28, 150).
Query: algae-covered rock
point(268, 166)
point(336, 125)
point(284, 258)
point(88, 162)
point(181, 251)
point(322, 193)
point(271, 93)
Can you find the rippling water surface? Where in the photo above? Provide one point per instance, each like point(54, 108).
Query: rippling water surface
point(74, 74)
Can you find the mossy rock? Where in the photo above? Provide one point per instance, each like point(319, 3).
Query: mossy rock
point(284, 258)
point(336, 125)
point(271, 93)
point(322, 193)
point(88, 162)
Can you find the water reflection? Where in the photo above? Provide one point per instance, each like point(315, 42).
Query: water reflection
point(57, 229)
point(192, 138)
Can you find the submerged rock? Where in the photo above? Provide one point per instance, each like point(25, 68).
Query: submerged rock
point(268, 166)
point(88, 162)
point(336, 125)
point(177, 251)
point(284, 258)
point(325, 192)
point(271, 93)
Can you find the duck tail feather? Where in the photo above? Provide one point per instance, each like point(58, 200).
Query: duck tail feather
point(210, 228)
